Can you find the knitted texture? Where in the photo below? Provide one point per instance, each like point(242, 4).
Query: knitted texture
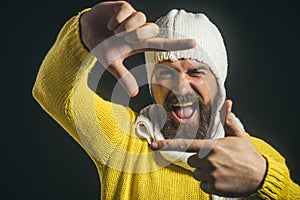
point(61, 76)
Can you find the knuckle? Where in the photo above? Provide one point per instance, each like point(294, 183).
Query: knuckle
point(217, 149)
point(164, 143)
point(217, 186)
point(167, 142)
point(229, 121)
point(210, 162)
point(184, 145)
point(214, 176)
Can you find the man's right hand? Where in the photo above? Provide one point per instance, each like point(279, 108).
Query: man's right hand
point(121, 32)
point(109, 18)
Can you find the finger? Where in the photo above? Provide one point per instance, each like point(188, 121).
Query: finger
point(198, 175)
point(144, 32)
point(195, 161)
point(206, 187)
point(202, 175)
point(122, 11)
point(230, 126)
point(134, 21)
point(125, 78)
point(170, 44)
point(183, 145)
point(161, 44)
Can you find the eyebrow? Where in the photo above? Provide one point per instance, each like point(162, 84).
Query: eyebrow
point(197, 69)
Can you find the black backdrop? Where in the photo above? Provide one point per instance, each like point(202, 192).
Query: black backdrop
point(40, 161)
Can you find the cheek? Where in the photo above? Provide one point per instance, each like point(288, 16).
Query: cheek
point(213, 86)
point(159, 93)
point(204, 89)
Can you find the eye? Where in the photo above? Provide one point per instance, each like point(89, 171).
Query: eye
point(198, 72)
point(163, 73)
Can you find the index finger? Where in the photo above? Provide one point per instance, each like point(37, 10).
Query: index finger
point(148, 37)
point(183, 145)
point(163, 44)
point(171, 44)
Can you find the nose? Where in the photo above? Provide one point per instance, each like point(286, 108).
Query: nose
point(181, 85)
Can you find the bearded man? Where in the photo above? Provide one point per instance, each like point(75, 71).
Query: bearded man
point(189, 137)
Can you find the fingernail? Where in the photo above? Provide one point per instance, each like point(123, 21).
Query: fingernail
point(129, 83)
point(133, 92)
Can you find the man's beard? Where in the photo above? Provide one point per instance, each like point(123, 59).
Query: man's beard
point(195, 130)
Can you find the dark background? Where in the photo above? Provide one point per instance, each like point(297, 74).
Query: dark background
point(39, 159)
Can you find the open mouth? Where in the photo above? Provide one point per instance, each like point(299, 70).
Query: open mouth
point(184, 112)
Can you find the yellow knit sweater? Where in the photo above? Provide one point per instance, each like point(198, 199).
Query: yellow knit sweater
point(127, 167)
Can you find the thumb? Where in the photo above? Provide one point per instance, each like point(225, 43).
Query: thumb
point(230, 126)
point(124, 77)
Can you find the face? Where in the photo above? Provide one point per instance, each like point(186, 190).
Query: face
point(186, 89)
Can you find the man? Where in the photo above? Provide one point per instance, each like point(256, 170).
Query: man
point(186, 69)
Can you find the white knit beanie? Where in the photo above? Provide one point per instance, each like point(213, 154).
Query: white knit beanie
point(210, 49)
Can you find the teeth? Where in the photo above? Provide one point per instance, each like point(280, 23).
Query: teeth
point(183, 104)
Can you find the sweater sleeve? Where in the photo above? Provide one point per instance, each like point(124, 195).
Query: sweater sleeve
point(277, 183)
point(61, 88)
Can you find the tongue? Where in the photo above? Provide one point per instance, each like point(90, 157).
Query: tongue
point(184, 112)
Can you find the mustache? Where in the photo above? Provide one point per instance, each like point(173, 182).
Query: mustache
point(181, 99)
